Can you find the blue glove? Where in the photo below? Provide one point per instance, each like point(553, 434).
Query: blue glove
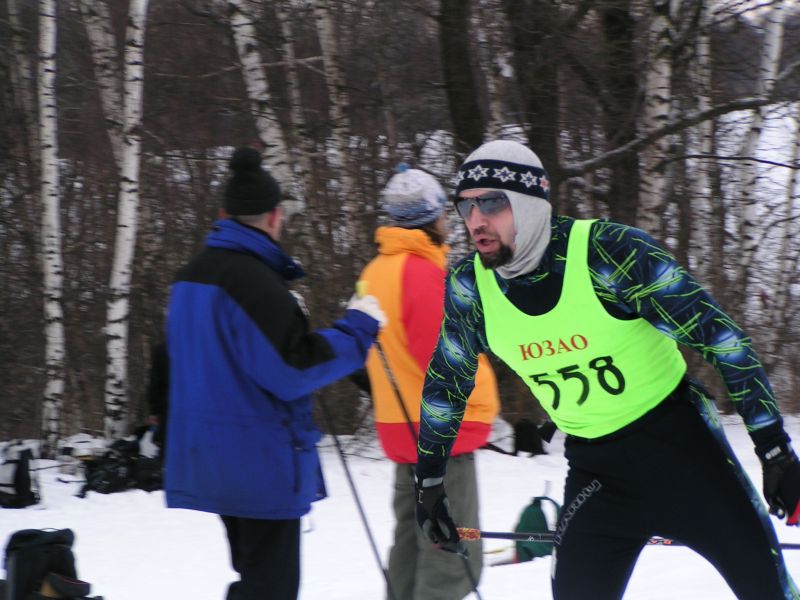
point(781, 480)
point(433, 517)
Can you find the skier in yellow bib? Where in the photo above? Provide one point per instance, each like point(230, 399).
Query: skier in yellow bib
point(589, 314)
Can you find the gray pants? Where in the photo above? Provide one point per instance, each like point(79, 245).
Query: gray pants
point(417, 570)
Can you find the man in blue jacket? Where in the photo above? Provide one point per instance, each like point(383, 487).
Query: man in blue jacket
point(243, 363)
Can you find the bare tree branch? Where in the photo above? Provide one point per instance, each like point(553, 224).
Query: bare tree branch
point(578, 169)
point(722, 157)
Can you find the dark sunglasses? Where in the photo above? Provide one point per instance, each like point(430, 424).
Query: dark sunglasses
point(489, 203)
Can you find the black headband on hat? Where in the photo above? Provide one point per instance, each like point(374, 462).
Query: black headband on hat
point(250, 189)
point(503, 175)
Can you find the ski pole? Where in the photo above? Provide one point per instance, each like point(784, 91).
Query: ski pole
point(390, 375)
point(396, 388)
point(548, 537)
point(361, 289)
point(356, 497)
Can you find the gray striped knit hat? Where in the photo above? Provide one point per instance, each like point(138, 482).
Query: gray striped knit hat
point(504, 165)
point(413, 198)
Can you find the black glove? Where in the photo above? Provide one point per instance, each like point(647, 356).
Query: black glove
point(781, 480)
point(434, 519)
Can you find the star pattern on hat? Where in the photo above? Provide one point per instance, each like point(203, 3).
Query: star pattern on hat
point(544, 183)
point(478, 172)
point(504, 174)
point(528, 179)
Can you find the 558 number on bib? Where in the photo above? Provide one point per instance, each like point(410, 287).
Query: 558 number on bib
point(608, 377)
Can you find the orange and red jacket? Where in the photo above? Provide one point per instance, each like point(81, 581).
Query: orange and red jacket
point(407, 277)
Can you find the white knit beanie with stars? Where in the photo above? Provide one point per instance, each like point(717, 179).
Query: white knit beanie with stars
point(516, 170)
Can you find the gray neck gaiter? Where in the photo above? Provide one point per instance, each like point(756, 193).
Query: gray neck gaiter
point(532, 225)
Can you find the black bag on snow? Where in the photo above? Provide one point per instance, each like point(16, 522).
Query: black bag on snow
point(112, 472)
point(121, 468)
point(16, 489)
point(33, 553)
point(149, 473)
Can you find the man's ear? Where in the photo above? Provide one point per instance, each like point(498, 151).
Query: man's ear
point(222, 214)
point(274, 217)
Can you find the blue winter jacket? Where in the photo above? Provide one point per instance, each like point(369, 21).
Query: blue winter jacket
point(243, 362)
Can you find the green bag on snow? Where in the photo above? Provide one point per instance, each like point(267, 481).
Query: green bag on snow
point(534, 520)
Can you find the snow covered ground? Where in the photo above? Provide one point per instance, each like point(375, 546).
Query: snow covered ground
point(130, 547)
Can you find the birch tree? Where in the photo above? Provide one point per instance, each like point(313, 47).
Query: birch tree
point(102, 42)
point(302, 146)
point(656, 113)
point(118, 304)
point(707, 232)
point(52, 261)
point(788, 255)
point(337, 95)
point(347, 235)
point(747, 174)
point(270, 134)
point(301, 149)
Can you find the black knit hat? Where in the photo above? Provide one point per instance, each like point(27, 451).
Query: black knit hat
point(250, 189)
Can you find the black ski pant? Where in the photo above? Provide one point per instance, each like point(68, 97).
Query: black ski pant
point(266, 554)
point(672, 475)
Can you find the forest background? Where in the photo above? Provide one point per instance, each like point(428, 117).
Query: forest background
point(117, 118)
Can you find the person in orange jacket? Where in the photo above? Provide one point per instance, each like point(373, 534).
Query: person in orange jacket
point(408, 278)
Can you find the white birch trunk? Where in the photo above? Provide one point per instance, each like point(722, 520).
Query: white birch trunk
point(787, 257)
point(656, 113)
point(52, 262)
point(104, 52)
point(747, 174)
point(337, 97)
point(117, 309)
point(255, 78)
point(700, 184)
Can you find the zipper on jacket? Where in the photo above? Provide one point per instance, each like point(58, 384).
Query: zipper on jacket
point(296, 447)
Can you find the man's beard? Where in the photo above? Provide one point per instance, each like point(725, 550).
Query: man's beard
point(497, 259)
